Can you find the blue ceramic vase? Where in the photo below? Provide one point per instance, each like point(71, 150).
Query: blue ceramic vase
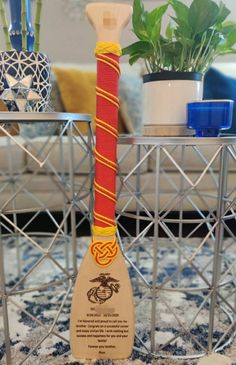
point(24, 74)
point(15, 25)
point(25, 80)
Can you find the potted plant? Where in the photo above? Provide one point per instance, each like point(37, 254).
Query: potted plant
point(24, 71)
point(177, 60)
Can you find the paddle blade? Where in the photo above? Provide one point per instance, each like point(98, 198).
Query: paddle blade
point(102, 313)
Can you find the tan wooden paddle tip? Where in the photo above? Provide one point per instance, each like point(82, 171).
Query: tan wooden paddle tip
point(102, 319)
point(108, 19)
point(215, 359)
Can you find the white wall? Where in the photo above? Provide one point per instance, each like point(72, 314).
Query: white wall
point(66, 39)
point(69, 39)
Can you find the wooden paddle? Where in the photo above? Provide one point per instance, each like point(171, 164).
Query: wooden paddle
point(102, 313)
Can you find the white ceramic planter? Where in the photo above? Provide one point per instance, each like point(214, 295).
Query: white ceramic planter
point(165, 100)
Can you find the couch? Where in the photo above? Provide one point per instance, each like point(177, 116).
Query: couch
point(42, 188)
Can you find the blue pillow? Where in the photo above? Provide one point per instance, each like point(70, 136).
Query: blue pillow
point(219, 86)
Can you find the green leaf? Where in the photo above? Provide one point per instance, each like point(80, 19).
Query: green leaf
point(227, 51)
point(180, 17)
point(156, 15)
point(181, 10)
point(230, 40)
point(137, 47)
point(154, 20)
point(223, 13)
point(169, 33)
point(228, 24)
point(202, 15)
point(139, 20)
point(228, 28)
point(183, 30)
point(134, 58)
point(172, 54)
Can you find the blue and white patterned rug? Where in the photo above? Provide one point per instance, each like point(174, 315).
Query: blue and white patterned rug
point(32, 314)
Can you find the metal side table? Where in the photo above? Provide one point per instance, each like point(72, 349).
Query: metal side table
point(55, 176)
point(183, 266)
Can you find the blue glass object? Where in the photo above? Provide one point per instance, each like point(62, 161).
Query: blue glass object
point(208, 117)
point(15, 26)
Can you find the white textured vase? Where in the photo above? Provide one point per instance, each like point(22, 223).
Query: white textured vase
point(165, 98)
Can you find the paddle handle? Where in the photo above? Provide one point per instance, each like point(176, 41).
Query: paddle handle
point(108, 21)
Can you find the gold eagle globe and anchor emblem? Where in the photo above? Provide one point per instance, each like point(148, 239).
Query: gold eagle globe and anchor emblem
point(104, 291)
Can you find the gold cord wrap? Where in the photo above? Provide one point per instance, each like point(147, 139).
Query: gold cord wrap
point(104, 252)
point(108, 47)
point(104, 231)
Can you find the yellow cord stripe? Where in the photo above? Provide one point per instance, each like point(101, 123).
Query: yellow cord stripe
point(107, 193)
point(109, 64)
point(105, 161)
point(104, 189)
point(109, 95)
point(108, 47)
point(110, 60)
point(103, 219)
point(104, 194)
point(106, 129)
point(107, 126)
point(106, 164)
point(109, 99)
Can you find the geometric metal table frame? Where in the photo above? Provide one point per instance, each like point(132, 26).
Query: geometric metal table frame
point(161, 293)
point(74, 196)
